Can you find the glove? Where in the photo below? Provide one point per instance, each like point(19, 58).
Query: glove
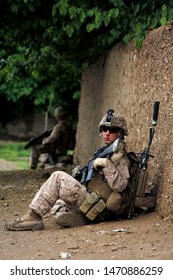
point(100, 163)
point(76, 171)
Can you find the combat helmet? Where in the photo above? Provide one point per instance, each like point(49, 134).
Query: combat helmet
point(112, 119)
point(60, 112)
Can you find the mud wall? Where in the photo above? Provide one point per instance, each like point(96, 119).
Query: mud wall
point(129, 82)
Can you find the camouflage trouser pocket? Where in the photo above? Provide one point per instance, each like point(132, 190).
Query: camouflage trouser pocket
point(92, 206)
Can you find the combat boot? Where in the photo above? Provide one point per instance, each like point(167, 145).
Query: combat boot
point(30, 221)
point(71, 219)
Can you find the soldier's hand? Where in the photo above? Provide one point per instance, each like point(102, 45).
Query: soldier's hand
point(100, 163)
point(76, 171)
point(44, 141)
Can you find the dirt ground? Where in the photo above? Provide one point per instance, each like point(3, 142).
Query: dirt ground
point(142, 238)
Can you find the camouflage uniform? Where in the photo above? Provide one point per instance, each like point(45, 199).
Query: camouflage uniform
point(55, 144)
point(60, 185)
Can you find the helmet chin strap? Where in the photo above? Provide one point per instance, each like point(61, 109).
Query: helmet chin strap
point(121, 134)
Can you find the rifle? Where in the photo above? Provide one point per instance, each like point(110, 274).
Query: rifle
point(38, 139)
point(144, 155)
point(87, 170)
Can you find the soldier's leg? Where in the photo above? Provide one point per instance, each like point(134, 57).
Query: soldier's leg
point(66, 216)
point(35, 154)
point(59, 185)
point(59, 207)
point(44, 159)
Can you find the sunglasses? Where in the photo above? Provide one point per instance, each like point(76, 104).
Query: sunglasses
point(111, 129)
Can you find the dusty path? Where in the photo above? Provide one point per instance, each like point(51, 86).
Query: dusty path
point(7, 165)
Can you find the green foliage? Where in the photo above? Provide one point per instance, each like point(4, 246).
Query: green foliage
point(46, 45)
